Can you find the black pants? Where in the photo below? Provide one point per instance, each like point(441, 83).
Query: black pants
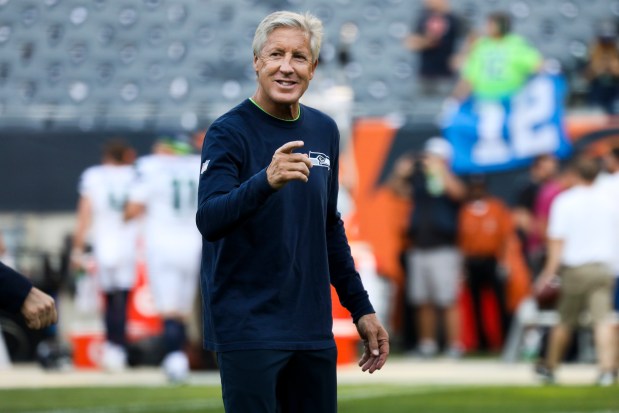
point(480, 274)
point(116, 316)
point(279, 381)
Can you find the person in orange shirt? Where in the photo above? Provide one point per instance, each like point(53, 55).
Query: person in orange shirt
point(485, 227)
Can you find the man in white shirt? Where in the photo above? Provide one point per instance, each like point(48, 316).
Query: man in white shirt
point(166, 193)
point(608, 184)
point(581, 247)
point(103, 193)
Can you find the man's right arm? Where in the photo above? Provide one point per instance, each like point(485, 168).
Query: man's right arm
point(223, 200)
point(559, 222)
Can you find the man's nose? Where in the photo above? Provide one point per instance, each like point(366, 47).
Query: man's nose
point(286, 66)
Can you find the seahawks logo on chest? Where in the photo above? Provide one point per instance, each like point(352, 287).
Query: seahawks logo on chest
point(320, 159)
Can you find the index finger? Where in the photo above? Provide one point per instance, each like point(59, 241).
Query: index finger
point(288, 147)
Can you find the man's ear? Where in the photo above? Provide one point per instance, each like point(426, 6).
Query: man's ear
point(256, 64)
point(314, 66)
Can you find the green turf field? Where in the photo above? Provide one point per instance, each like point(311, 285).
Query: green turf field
point(353, 399)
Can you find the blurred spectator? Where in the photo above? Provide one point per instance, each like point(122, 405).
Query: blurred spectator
point(547, 193)
point(434, 263)
point(436, 32)
point(543, 170)
point(608, 184)
point(165, 194)
point(485, 228)
point(103, 193)
point(603, 69)
point(581, 246)
point(498, 63)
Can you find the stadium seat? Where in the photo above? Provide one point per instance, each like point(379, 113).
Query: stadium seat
point(131, 52)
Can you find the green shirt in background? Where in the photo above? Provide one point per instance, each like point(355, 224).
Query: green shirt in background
point(497, 68)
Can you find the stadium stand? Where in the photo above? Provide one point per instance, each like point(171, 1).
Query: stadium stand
point(66, 63)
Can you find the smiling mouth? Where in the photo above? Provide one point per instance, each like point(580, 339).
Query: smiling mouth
point(285, 83)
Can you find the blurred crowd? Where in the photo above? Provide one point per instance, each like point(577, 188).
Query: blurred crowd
point(494, 62)
point(461, 239)
point(464, 242)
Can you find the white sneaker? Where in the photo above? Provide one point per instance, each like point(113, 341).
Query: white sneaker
point(114, 358)
point(454, 352)
point(176, 367)
point(427, 349)
point(605, 379)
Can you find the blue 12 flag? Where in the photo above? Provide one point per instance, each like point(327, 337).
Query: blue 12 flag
point(491, 136)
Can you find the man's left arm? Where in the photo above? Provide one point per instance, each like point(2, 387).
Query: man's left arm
point(13, 289)
point(347, 283)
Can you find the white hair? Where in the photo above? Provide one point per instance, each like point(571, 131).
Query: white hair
point(310, 24)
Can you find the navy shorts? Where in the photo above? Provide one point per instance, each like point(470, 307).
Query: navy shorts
point(279, 381)
point(616, 294)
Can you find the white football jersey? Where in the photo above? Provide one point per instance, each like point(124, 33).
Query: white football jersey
point(107, 188)
point(167, 185)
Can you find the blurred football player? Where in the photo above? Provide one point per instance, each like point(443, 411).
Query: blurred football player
point(103, 193)
point(165, 193)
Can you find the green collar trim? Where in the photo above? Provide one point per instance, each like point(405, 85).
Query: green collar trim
point(285, 120)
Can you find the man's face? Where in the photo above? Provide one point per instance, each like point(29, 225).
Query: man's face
point(610, 163)
point(492, 28)
point(548, 168)
point(284, 67)
point(544, 169)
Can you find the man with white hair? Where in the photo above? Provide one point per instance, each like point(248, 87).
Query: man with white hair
point(273, 240)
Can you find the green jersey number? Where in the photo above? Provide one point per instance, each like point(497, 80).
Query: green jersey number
point(184, 195)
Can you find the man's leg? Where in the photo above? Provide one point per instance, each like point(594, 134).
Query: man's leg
point(249, 379)
point(559, 337)
point(500, 291)
point(419, 296)
point(308, 383)
point(114, 357)
point(570, 307)
point(605, 346)
point(600, 304)
point(452, 326)
point(116, 316)
point(427, 329)
point(446, 270)
point(474, 278)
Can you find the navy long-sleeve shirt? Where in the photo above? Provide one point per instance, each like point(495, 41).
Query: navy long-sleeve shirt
point(14, 288)
point(270, 256)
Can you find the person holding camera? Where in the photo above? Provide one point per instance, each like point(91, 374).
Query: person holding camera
point(434, 262)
